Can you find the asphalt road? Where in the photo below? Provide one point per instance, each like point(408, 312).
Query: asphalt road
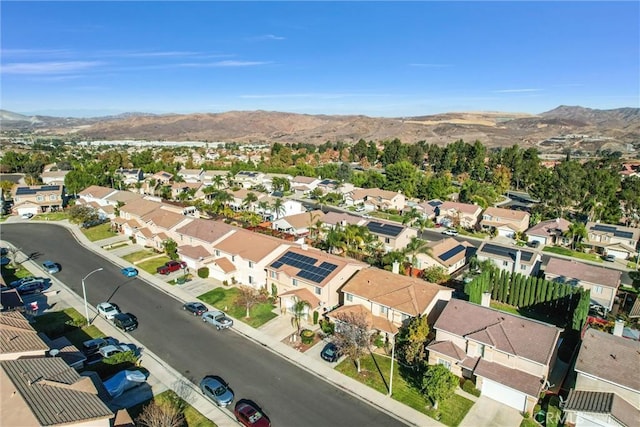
point(289, 395)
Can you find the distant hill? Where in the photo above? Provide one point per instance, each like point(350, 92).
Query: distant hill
point(618, 127)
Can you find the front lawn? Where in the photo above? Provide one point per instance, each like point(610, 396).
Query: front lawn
point(575, 254)
point(140, 255)
point(224, 299)
point(192, 418)
point(11, 273)
point(375, 373)
point(151, 266)
point(68, 322)
point(51, 216)
point(99, 232)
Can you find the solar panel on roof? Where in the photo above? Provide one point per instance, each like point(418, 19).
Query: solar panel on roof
point(507, 252)
point(434, 203)
point(614, 230)
point(50, 187)
point(452, 252)
point(385, 229)
point(306, 265)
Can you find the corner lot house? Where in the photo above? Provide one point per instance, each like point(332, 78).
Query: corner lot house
point(607, 390)
point(615, 240)
point(391, 299)
point(549, 232)
point(37, 199)
point(449, 254)
point(506, 221)
point(510, 357)
point(602, 282)
point(513, 259)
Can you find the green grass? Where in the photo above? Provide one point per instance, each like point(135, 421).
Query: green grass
point(151, 266)
point(505, 307)
point(221, 298)
point(192, 417)
point(68, 322)
point(51, 216)
point(11, 273)
point(375, 374)
point(572, 253)
point(140, 255)
point(528, 422)
point(99, 232)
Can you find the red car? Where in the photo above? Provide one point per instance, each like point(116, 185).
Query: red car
point(249, 415)
point(171, 266)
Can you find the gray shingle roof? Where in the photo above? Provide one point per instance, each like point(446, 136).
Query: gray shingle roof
point(603, 403)
point(18, 336)
point(55, 393)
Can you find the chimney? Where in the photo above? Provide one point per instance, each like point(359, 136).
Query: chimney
point(395, 268)
point(486, 299)
point(618, 328)
point(304, 247)
point(516, 264)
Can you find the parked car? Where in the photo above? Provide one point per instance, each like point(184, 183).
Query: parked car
point(107, 310)
point(51, 267)
point(450, 232)
point(533, 243)
point(195, 308)
point(610, 258)
point(330, 353)
point(31, 287)
point(125, 321)
point(215, 389)
point(171, 266)
point(24, 281)
point(218, 319)
point(112, 350)
point(92, 346)
point(129, 271)
point(4, 260)
point(27, 215)
point(249, 415)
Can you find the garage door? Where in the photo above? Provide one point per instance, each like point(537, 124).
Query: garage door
point(503, 394)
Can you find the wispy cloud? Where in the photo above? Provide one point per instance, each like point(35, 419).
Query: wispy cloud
point(53, 67)
point(152, 54)
point(34, 52)
point(228, 63)
point(517, 90)
point(265, 37)
point(427, 65)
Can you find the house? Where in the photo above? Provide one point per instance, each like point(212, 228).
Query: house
point(448, 253)
point(248, 179)
point(154, 182)
point(376, 199)
point(615, 240)
point(305, 273)
point(513, 259)
point(18, 338)
point(391, 299)
point(393, 236)
point(510, 357)
point(45, 391)
point(300, 224)
point(196, 240)
point(192, 190)
point(607, 387)
point(266, 207)
point(211, 178)
point(250, 253)
point(303, 185)
point(549, 232)
point(507, 222)
point(130, 176)
point(53, 177)
point(340, 219)
point(191, 175)
point(429, 209)
point(454, 214)
point(238, 199)
point(37, 199)
point(96, 194)
point(105, 200)
point(602, 282)
point(156, 227)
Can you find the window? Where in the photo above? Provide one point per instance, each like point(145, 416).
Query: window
point(383, 309)
point(387, 240)
point(318, 290)
point(39, 198)
point(250, 264)
point(251, 281)
point(52, 197)
point(348, 297)
point(444, 363)
point(274, 275)
point(597, 289)
point(405, 317)
point(233, 258)
point(217, 252)
point(505, 263)
point(294, 282)
point(523, 267)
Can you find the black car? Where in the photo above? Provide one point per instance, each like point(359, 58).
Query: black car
point(125, 321)
point(330, 352)
point(195, 308)
point(31, 288)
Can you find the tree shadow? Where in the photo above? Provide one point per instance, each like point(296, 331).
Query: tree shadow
point(375, 362)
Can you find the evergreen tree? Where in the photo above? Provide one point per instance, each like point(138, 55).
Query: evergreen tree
point(581, 311)
point(532, 295)
point(514, 291)
point(505, 287)
point(521, 302)
point(549, 294)
point(527, 296)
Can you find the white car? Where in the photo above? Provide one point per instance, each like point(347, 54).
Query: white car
point(110, 350)
point(450, 232)
point(107, 310)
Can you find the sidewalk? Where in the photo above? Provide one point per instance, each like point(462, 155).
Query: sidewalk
point(268, 336)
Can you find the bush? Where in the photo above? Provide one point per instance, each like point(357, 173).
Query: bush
point(327, 327)
point(470, 387)
point(225, 282)
point(203, 272)
point(379, 341)
point(315, 317)
point(118, 358)
point(306, 336)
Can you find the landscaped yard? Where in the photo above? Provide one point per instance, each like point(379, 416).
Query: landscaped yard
point(68, 322)
point(137, 256)
point(571, 253)
point(99, 232)
point(10, 273)
point(151, 266)
point(51, 216)
point(192, 417)
point(375, 373)
point(224, 299)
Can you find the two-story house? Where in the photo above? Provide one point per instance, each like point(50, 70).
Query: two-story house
point(607, 387)
point(53, 177)
point(191, 175)
point(248, 179)
point(340, 219)
point(449, 254)
point(375, 199)
point(454, 214)
point(513, 259)
point(130, 176)
point(390, 299)
point(303, 185)
point(616, 240)
point(299, 224)
point(602, 282)
point(426, 209)
point(510, 357)
point(238, 200)
point(392, 236)
point(196, 240)
point(37, 199)
point(507, 222)
point(549, 232)
point(305, 273)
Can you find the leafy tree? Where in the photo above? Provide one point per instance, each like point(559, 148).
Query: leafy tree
point(77, 180)
point(439, 384)
point(352, 336)
point(394, 152)
point(299, 310)
point(81, 213)
point(416, 246)
point(249, 297)
point(170, 248)
point(402, 176)
point(412, 341)
point(344, 173)
point(435, 274)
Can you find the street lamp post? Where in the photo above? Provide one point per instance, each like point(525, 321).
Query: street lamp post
point(84, 294)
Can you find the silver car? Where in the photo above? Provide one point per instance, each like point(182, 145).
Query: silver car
point(218, 319)
point(215, 389)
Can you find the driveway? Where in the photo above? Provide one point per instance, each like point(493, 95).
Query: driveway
point(491, 413)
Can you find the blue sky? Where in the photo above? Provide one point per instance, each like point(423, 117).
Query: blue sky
point(381, 59)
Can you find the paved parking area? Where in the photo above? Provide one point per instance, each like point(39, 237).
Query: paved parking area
point(491, 413)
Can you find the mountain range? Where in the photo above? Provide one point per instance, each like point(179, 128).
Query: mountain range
point(588, 129)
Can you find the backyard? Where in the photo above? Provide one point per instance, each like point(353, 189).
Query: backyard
point(225, 299)
point(375, 373)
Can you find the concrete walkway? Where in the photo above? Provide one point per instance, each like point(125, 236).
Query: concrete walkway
point(164, 377)
point(491, 413)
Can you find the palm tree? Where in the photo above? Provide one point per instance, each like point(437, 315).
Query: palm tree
point(249, 199)
point(263, 207)
point(410, 216)
point(414, 247)
point(278, 207)
point(576, 232)
point(218, 181)
point(298, 310)
point(230, 179)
